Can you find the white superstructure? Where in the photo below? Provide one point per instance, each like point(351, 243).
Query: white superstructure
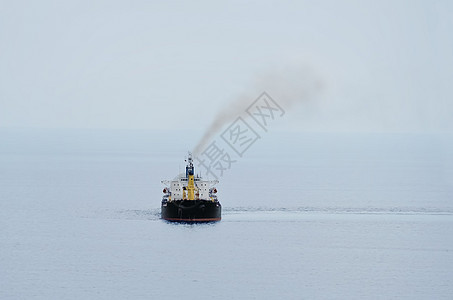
point(178, 188)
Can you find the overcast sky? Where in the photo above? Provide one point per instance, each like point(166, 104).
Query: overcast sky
point(385, 65)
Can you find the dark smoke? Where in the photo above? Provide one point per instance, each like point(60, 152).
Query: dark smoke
point(287, 86)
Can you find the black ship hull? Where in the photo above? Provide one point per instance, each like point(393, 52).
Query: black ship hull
point(191, 210)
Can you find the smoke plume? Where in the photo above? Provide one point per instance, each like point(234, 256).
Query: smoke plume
point(286, 85)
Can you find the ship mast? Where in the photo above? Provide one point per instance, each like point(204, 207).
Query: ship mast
point(189, 175)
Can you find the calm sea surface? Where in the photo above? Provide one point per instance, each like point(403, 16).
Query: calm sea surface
point(305, 216)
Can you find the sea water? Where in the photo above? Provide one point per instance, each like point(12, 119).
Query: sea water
point(305, 216)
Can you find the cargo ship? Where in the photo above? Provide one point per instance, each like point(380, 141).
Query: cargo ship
point(189, 198)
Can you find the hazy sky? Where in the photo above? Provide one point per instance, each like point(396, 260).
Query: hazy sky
point(385, 65)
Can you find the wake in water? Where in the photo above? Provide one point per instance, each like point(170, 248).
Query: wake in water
point(289, 212)
point(272, 213)
point(343, 210)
